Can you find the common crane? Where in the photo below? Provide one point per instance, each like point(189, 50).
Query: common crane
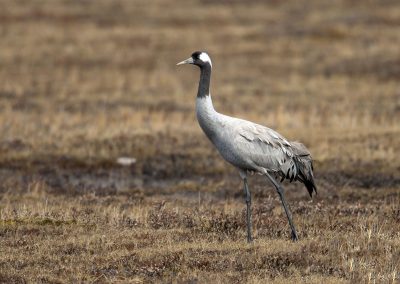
point(251, 147)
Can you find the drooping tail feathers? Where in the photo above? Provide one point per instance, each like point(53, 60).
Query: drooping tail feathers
point(303, 162)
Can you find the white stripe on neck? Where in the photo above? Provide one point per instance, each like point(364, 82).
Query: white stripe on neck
point(205, 58)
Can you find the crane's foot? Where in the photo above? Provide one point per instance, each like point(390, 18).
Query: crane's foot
point(294, 236)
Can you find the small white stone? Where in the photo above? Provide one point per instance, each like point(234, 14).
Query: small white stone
point(126, 161)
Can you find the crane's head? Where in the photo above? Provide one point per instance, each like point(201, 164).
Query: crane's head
point(199, 58)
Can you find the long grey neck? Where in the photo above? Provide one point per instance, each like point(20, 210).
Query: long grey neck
point(204, 83)
point(206, 114)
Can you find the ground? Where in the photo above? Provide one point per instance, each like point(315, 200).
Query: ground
point(83, 83)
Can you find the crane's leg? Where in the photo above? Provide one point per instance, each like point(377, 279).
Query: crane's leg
point(248, 204)
point(289, 216)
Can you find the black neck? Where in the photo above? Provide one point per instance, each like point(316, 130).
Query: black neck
point(204, 84)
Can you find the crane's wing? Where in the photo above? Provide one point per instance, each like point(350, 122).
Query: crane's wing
point(265, 147)
point(270, 150)
point(258, 133)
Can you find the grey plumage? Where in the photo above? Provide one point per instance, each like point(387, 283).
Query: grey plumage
point(251, 147)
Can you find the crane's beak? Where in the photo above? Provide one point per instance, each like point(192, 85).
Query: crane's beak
point(187, 61)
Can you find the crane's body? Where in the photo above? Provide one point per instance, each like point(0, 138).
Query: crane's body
point(228, 136)
point(249, 146)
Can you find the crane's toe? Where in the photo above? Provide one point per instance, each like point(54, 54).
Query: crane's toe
point(295, 237)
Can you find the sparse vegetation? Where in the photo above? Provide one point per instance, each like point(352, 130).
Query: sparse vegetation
point(85, 82)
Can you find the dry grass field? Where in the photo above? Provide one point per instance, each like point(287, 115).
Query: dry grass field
point(83, 83)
